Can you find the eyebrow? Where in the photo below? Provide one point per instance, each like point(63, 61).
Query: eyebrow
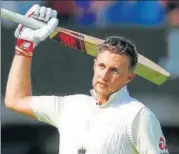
point(116, 67)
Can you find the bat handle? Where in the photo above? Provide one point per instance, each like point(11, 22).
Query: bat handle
point(19, 18)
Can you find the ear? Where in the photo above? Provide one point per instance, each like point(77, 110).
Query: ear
point(131, 76)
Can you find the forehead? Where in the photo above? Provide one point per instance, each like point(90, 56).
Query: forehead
point(113, 59)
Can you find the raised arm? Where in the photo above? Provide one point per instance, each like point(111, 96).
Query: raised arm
point(18, 90)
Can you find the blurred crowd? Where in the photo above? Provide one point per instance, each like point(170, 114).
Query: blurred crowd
point(107, 13)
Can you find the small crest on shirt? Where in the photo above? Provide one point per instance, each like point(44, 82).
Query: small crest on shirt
point(81, 150)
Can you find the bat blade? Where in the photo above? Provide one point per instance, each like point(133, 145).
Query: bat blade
point(89, 45)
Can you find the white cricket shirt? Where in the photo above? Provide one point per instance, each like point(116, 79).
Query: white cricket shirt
point(123, 126)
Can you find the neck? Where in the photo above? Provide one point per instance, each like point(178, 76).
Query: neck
point(102, 99)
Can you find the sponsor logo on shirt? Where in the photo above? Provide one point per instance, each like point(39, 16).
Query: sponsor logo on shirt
point(162, 144)
point(81, 151)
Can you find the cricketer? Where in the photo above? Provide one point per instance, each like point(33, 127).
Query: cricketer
point(109, 121)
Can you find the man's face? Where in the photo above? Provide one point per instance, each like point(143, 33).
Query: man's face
point(111, 72)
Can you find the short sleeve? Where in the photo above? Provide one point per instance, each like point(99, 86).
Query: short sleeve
point(147, 134)
point(47, 108)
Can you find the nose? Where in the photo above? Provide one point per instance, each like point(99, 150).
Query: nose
point(105, 74)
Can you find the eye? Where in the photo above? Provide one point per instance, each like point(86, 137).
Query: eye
point(115, 70)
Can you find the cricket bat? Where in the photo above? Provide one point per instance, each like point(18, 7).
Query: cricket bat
point(89, 45)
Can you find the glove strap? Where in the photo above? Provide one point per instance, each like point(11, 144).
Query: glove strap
point(24, 47)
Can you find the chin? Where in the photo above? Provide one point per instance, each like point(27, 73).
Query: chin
point(101, 91)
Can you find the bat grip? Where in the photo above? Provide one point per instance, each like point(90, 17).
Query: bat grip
point(16, 17)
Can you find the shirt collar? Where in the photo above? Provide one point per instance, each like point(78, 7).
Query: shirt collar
point(115, 98)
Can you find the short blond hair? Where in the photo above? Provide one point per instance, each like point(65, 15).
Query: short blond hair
point(121, 45)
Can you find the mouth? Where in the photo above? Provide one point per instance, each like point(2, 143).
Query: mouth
point(102, 84)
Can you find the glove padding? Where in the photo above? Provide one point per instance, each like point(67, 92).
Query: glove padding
point(28, 38)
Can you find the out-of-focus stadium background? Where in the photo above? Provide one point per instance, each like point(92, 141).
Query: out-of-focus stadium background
point(152, 25)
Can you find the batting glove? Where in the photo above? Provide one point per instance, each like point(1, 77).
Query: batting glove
point(28, 38)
